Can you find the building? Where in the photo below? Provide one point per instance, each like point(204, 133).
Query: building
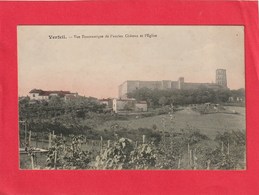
point(221, 77)
point(108, 102)
point(129, 105)
point(123, 105)
point(38, 94)
point(70, 96)
point(129, 86)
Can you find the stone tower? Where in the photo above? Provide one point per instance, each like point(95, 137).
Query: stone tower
point(221, 77)
point(180, 82)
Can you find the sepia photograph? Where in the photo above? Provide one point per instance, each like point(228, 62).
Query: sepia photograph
point(131, 97)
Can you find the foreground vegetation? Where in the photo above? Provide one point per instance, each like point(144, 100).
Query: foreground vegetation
point(88, 137)
point(185, 150)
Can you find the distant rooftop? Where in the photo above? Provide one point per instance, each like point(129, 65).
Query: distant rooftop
point(47, 93)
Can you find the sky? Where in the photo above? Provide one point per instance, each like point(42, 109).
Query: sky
point(95, 60)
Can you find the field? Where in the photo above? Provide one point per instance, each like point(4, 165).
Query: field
point(208, 124)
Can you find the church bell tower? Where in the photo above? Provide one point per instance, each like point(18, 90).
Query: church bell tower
point(221, 77)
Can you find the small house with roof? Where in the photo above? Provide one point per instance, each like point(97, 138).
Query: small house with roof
point(39, 94)
point(129, 105)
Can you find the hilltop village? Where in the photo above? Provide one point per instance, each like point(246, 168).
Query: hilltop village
point(128, 92)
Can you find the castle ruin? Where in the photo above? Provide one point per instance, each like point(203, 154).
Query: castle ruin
point(131, 85)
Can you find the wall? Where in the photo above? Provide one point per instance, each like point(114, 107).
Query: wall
point(36, 96)
point(120, 104)
point(201, 85)
point(141, 107)
point(166, 84)
point(150, 84)
point(123, 90)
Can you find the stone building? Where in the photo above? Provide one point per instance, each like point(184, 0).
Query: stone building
point(39, 94)
point(221, 77)
point(129, 105)
point(129, 86)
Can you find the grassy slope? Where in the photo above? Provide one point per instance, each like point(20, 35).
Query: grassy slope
point(208, 124)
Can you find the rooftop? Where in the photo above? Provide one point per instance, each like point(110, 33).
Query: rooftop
point(47, 93)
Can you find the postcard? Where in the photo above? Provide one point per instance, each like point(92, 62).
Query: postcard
point(131, 97)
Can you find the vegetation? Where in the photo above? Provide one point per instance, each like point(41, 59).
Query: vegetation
point(75, 108)
point(60, 156)
point(157, 98)
point(66, 117)
point(160, 145)
point(188, 149)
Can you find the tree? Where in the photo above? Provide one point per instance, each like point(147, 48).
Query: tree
point(162, 100)
point(56, 101)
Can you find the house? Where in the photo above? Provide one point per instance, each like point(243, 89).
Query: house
point(129, 105)
point(70, 96)
point(39, 94)
point(107, 102)
point(236, 99)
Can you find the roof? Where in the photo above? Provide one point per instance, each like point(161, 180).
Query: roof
point(47, 93)
point(36, 91)
point(128, 99)
point(105, 99)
